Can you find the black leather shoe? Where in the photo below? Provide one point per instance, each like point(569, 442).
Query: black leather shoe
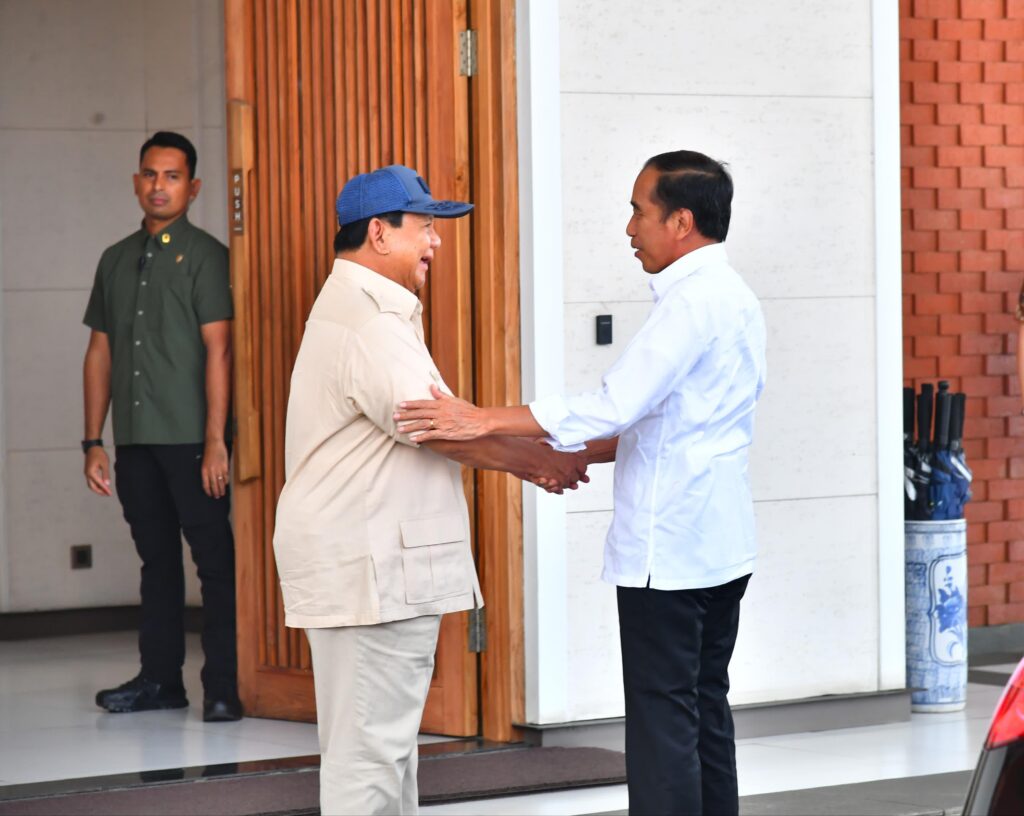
point(140, 694)
point(227, 709)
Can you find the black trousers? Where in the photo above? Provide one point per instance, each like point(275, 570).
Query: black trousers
point(161, 492)
point(680, 742)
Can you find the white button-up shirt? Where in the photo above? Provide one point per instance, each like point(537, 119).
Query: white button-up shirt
point(681, 400)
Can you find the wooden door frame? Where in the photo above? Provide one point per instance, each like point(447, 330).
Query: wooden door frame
point(497, 343)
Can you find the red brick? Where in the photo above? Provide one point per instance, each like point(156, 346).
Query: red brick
point(1014, 51)
point(960, 156)
point(937, 134)
point(984, 9)
point(1001, 156)
point(980, 302)
point(935, 262)
point(915, 326)
point(935, 176)
point(935, 51)
point(1000, 114)
point(983, 511)
point(999, 489)
point(983, 428)
point(923, 284)
point(923, 199)
point(977, 575)
point(1001, 364)
point(952, 114)
point(1006, 573)
point(962, 30)
point(959, 199)
point(1003, 239)
point(1005, 531)
point(927, 72)
point(935, 346)
point(917, 29)
point(961, 282)
point(985, 469)
point(1014, 93)
point(935, 93)
point(980, 51)
point(957, 324)
point(957, 366)
point(980, 219)
point(920, 240)
point(977, 616)
point(985, 387)
point(1014, 135)
point(976, 261)
point(917, 156)
point(1016, 592)
point(1002, 30)
point(959, 240)
point(974, 449)
point(1014, 218)
point(977, 134)
point(920, 115)
point(1001, 323)
point(1014, 510)
point(908, 304)
point(982, 93)
point(999, 614)
point(946, 71)
point(1013, 258)
point(987, 553)
point(1002, 71)
point(996, 281)
point(1016, 550)
point(979, 491)
point(1015, 8)
point(927, 367)
point(935, 219)
point(939, 9)
point(989, 594)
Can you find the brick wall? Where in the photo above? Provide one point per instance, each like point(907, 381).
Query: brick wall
point(962, 118)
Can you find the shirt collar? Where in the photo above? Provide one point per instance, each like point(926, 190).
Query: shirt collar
point(684, 267)
point(172, 234)
point(388, 295)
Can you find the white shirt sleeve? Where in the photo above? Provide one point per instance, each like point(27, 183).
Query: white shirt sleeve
point(666, 348)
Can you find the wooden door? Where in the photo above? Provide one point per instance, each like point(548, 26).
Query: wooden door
point(320, 90)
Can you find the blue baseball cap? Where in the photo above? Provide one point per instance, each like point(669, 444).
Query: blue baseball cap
point(392, 189)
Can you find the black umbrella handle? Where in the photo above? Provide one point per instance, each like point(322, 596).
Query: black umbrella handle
point(956, 423)
point(943, 414)
point(908, 414)
point(924, 417)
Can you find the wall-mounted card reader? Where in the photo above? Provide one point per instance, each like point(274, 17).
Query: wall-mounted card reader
point(604, 330)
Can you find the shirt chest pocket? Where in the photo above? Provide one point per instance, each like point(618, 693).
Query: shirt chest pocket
point(435, 558)
point(170, 301)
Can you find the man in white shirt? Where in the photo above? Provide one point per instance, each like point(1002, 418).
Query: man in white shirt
point(676, 414)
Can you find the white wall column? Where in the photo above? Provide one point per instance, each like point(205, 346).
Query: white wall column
point(543, 354)
point(889, 339)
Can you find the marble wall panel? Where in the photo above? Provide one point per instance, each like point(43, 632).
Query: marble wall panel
point(74, 65)
point(802, 221)
point(171, 66)
point(733, 47)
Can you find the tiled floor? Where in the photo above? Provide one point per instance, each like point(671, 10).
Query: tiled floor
point(50, 729)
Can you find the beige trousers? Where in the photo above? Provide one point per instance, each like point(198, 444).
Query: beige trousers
point(371, 685)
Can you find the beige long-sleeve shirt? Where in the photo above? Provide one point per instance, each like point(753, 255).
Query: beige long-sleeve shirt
point(370, 527)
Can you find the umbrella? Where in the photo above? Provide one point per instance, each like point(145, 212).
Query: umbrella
point(922, 455)
point(909, 454)
point(941, 490)
point(960, 472)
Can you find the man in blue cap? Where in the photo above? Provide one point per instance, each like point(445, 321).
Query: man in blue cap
point(372, 536)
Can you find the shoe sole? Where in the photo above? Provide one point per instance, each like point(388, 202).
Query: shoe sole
point(130, 708)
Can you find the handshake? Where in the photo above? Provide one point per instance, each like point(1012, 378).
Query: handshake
point(506, 439)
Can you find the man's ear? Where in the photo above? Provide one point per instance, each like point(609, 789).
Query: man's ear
point(195, 184)
point(376, 236)
point(683, 222)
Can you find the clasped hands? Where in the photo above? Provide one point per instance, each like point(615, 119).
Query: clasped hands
point(449, 418)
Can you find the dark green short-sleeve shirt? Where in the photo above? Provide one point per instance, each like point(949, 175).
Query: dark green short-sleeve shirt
point(151, 295)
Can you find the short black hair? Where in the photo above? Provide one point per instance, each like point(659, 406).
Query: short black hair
point(351, 236)
point(168, 138)
point(692, 181)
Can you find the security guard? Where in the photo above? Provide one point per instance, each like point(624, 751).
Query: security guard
point(160, 351)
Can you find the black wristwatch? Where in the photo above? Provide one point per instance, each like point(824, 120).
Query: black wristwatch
point(91, 443)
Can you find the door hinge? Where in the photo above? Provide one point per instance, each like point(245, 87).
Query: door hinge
point(477, 630)
point(467, 53)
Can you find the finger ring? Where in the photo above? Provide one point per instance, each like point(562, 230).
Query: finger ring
point(220, 478)
point(431, 423)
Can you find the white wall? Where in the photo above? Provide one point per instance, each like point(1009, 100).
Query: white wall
point(783, 92)
point(82, 85)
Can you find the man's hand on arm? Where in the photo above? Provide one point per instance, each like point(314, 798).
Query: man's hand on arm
point(448, 417)
point(216, 466)
point(96, 397)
